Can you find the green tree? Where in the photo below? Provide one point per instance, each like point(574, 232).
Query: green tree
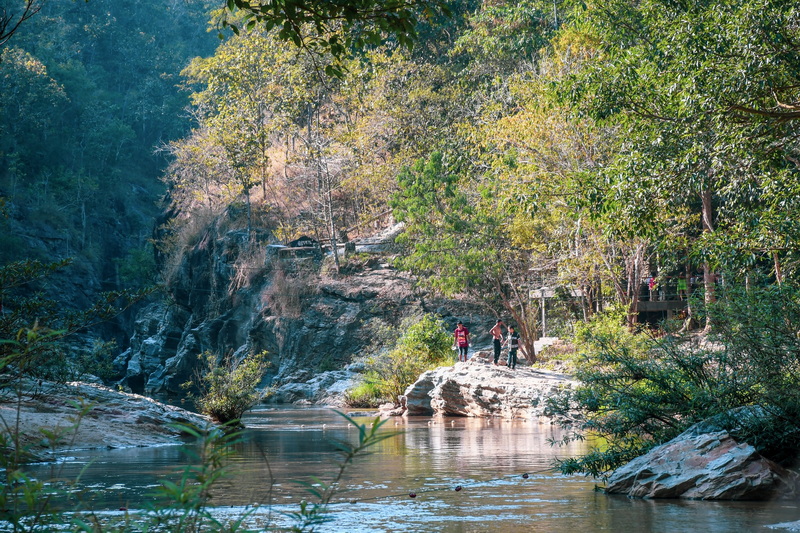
point(460, 244)
point(338, 26)
point(638, 391)
point(253, 94)
point(227, 388)
point(691, 87)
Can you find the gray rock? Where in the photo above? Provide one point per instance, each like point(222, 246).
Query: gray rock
point(112, 419)
point(325, 327)
point(477, 388)
point(704, 466)
point(327, 388)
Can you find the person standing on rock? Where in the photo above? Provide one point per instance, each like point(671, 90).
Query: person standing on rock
point(513, 345)
point(462, 340)
point(497, 338)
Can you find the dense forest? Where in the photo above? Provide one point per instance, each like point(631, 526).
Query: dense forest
point(552, 144)
point(568, 145)
point(90, 93)
point(589, 147)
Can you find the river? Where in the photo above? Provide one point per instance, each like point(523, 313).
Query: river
point(467, 475)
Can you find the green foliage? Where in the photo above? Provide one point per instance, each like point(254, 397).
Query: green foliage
point(98, 361)
point(638, 391)
point(421, 344)
point(698, 92)
point(368, 393)
point(502, 37)
point(440, 231)
point(42, 328)
point(762, 351)
point(337, 26)
point(138, 268)
point(458, 241)
point(228, 388)
point(79, 127)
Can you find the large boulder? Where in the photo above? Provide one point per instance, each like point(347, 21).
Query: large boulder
point(703, 465)
point(110, 418)
point(477, 388)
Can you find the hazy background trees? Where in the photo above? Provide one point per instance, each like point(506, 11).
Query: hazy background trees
point(88, 91)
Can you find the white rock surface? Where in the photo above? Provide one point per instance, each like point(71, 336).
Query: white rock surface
point(477, 388)
point(114, 420)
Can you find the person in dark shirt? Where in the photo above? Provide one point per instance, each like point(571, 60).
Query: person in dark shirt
point(513, 345)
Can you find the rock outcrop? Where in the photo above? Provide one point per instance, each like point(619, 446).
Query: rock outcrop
point(704, 465)
point(326, 388)
point(477, 388)
point(113, 419)
point(308, 322)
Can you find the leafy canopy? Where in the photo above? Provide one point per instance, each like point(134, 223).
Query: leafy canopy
point(338, 26)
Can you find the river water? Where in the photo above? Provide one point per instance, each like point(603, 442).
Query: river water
point(467, 475)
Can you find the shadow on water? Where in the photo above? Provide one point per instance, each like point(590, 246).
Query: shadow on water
point(467, 475)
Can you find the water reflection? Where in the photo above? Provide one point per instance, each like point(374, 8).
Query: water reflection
point(486, 458)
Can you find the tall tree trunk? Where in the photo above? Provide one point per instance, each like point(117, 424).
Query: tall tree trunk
point(709, 279)
point(689, 322)
point(778, 271)
point(525, 321)
point(331, 222)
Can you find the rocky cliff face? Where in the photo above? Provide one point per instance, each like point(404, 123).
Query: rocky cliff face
point(307, 321)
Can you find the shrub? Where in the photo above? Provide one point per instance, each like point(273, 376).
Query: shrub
point(228, 388)
point(286, 293)
point(423, 343)
point(138, 268)
point(366, 394)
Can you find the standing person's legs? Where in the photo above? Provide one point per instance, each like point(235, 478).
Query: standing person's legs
point(462, 353)
point(512, 358)
point(496, 350)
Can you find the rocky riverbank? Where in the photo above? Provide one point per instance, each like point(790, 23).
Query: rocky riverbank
point(477, 388)
point(703, 463)
point(111, 419)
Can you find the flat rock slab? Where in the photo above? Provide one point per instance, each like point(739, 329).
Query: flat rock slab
point(116, 419)
point(786, 526)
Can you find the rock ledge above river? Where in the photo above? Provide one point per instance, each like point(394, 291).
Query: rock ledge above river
point(477, 388)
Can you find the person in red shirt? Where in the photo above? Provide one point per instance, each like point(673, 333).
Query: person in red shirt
point(461, 335)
